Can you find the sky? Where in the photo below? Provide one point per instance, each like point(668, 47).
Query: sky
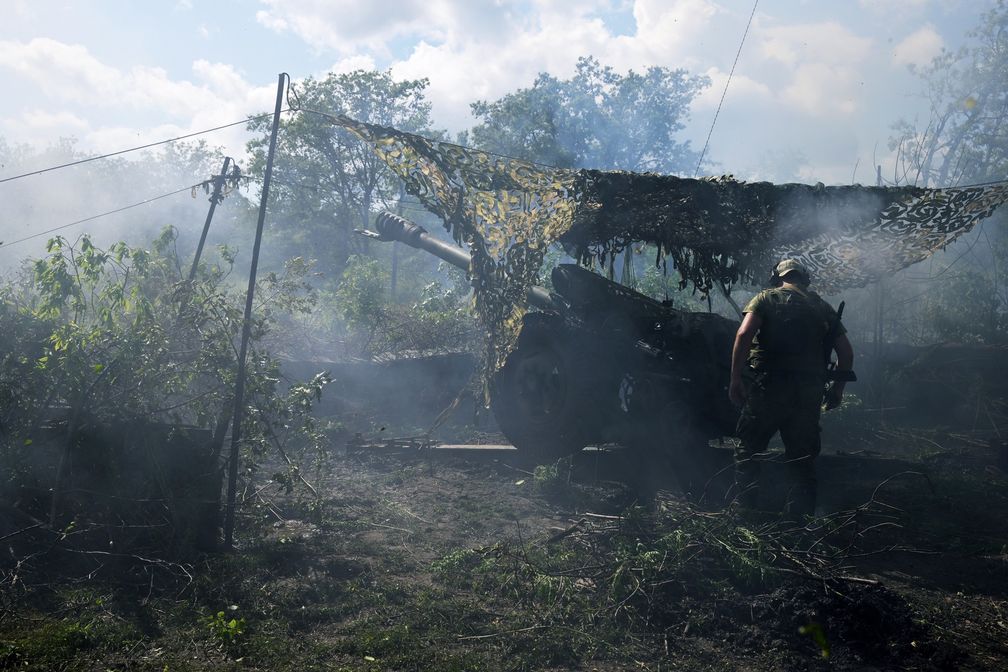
point(817, 88)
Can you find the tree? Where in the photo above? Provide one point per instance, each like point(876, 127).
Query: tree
point(966, 139)
point(126, 344)
point(959, 295)
point(326, 181)
point(596, 119)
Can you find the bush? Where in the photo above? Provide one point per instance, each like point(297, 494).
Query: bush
point(110, 357)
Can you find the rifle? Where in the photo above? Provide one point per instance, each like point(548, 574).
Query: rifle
point(832, 375)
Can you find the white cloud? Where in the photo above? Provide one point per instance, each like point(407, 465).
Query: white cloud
point(829, 42)
point(353, 63)
point(918, 48)
point(672, 30)
point(740, 89)
point(272, 21)
point(893, 5)
point(823, 90)
point(45, 120)
point(803, 66)
point(69, 73)
point(61, 70)
point(69, 76)
point(347, 25)
point(222, 79)
point(463, 68)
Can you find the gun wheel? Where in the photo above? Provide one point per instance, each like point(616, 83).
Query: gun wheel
point(538, 400)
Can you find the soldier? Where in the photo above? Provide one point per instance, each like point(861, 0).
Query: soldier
point(784, 337)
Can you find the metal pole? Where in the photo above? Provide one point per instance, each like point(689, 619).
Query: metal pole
point(395, 272)
point(394, 280)
point(239, 407)
point(214, 200)
point(879, 333)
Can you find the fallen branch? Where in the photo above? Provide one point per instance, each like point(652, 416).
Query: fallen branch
point(24, 529)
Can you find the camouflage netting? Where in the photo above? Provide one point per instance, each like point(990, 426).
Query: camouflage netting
point(720, 231)
point(507, 212)
point(717, 231)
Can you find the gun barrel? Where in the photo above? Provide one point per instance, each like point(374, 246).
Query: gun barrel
point(393, 227)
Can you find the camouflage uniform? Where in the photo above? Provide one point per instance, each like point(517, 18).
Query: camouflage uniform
point(785, 390)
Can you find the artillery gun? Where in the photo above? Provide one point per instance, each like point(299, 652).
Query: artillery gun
point(601, 363)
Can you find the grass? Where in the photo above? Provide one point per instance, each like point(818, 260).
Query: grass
point(483, 575)
point(41, 642)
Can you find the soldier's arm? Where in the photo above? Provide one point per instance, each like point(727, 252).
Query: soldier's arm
point(845, 362)
point(844, 352)
point(740, 352)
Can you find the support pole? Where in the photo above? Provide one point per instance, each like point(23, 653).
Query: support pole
point(878, 374)
point(239, 400)
point(215, 198)
point(394, 280)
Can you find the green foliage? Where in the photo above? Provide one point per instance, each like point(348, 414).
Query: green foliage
point(225, 629)
point(596, 119)
point(818, 635)
point(362, 294)
point(326, 181)
point(116, 323)
point(553, 480)
point(439, 320)
point(638, 573)
point(97, 340)
point(33, 207)
point(52, 642)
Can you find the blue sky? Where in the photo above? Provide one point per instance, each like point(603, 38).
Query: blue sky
point(817, 88)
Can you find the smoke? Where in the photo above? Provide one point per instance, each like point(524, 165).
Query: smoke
point(843, 223)
point(37, 203)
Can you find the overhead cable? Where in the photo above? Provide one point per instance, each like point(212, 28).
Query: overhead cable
point(190, 189)
point(134, 149)
point(723, 93)
point(332, 118)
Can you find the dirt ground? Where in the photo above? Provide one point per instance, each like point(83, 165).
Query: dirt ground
point(421, 561)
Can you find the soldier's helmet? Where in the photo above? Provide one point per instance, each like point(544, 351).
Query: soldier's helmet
point(792, 266)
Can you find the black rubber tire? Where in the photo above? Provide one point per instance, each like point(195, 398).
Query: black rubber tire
point(541, 397)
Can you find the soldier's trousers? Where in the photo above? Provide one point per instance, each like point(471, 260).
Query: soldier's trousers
point(791, 404)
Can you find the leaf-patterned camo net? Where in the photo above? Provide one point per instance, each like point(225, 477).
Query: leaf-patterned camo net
point(722, 231)
point(716, 231)
point(507, 212)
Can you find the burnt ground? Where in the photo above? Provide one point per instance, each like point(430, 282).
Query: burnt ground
point(477, 562)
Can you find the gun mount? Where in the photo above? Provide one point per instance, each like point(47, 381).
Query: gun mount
point(600, 363)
